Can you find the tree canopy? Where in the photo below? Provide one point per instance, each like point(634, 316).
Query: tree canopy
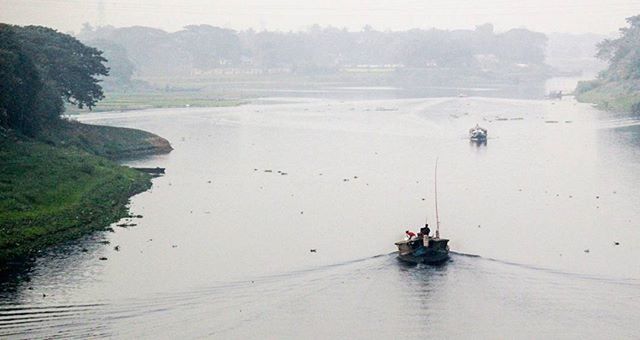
point(623, 53)
point(39, 69)
point(618, 87)
point(20, 83)
point(71, 65)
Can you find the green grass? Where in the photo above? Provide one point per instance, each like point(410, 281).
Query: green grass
point(105, 141)
point(608, 96)
point(51, 194)
point(117, 101)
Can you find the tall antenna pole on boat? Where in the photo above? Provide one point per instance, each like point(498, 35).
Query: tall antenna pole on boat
point(435, 179)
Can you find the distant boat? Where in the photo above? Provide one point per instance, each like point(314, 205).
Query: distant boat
point(477, 133)
point(555, 95)
point(157, 171)
point(425, 249)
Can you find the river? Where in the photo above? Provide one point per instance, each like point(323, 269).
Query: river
point(224, 247)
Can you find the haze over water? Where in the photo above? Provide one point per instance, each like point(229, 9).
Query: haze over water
point(223, 249)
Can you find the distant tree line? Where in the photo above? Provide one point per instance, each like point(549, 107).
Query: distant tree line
point(317, 50)
point(40, 70)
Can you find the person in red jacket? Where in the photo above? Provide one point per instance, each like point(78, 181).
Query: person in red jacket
point(410, 234)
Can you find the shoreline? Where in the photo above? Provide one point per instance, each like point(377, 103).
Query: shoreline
point(65, 183)
point(609, 96)
point(123, 102)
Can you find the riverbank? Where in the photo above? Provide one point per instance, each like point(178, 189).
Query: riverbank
point(62, 185)
point(609, 96)
point(105, 141)
point(128, 101)
point(236, 90)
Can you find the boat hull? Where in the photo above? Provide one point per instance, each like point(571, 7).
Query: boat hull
point(478, 137)
point(414, 251)
point(434, 259)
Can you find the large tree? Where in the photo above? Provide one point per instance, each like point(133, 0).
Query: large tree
point(20, 84)
point(39, 69)
point(623, 54)
point(65, 63)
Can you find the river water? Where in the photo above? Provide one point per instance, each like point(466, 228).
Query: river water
point(223, 249)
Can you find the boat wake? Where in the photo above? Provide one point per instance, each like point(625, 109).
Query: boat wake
point(599, 278)
point(38, 321)
point(237, 302)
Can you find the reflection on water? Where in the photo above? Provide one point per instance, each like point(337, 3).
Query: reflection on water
point(223, 249)
point(478, 143)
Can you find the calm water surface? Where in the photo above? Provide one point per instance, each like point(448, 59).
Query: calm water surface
point(223, 249)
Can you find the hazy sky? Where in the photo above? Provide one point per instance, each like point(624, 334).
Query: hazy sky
point(598, 16)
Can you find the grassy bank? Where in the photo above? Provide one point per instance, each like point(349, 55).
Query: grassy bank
point(61, 184)
point(50, 194)
point(105, 141)
point(610, 96)
point(119, 101)
point(237, 89)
